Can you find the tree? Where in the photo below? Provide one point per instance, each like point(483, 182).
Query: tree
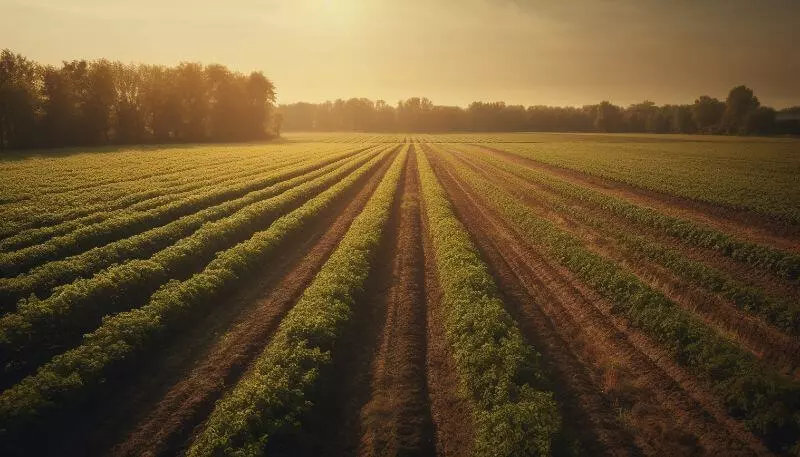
point(384, 117)
point(707, 113)
point(759, 121)
point(413, 114)
point(59, 125)
point(226, 104)
point(18, 101)
point(75, 76)
point(277, 123)
point(682, 121)
point(161, 103)
point(639, 117)
point(97, 99)
point(608, 117)
point(787, 121)
point(129, 119)
point(193, 96)
point(740, 103)
point(260, 106)
point(660, 120)
point(99, 102)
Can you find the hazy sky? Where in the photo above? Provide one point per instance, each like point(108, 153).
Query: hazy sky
point(452, 51)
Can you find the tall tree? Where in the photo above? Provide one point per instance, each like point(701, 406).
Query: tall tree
point(412, 114)
point(192, 91)
point(639, 116)
point(608, 117)
point(707, 113)
point(98, 98)
point(18, 101)
point(682, 121)
point(60, 121)
point(161, 103)
point(740, 103)
point(129, 121)
point(225, 111)
point(260, 93)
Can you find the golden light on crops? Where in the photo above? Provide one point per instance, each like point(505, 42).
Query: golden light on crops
point(350, 227)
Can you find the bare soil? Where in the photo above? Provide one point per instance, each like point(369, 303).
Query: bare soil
point(397, 419)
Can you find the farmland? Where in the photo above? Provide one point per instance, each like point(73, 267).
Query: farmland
point(364, 294)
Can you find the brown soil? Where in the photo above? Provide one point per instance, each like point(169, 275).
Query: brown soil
point(753, 334)
point(745, 224)
point(375, 401)
point(397, 419)
point(333, 426)
point(653, 399)
point(156, 411)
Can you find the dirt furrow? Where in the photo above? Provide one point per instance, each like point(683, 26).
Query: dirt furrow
point(397, 419)
point(156, 409)
point(664, 407)
point(334, 426)
point(751, 226)
point(754, 334)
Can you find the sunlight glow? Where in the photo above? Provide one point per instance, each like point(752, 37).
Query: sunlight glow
point(452, 51)
point(338, 13)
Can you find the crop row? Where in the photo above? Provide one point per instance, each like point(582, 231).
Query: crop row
point(42, 279)
point(40, 327)
point(89, 169)
point(124, 225)
point(138, 202)
point(65, 381)
point(750, 390)
point(78, 212)
point(52, 209)
point(55, 208)
point(779, 312)
point(41, 225)
point(496, 367)
point(754, 177)
point(68, 175)
point(780, 263)
point(23, 180)
point(276, 392)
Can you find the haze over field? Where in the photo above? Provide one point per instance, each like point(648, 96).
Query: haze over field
point(524, 51)
point(378, 228)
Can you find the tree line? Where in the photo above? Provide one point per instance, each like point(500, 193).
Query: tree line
point(741, 113)
point(102, 102)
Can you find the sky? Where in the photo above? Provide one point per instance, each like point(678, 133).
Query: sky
point(551, 52)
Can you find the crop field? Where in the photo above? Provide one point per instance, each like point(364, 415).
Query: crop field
point(403, 295)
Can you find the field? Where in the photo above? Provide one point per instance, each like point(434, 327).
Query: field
point(403, 295)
